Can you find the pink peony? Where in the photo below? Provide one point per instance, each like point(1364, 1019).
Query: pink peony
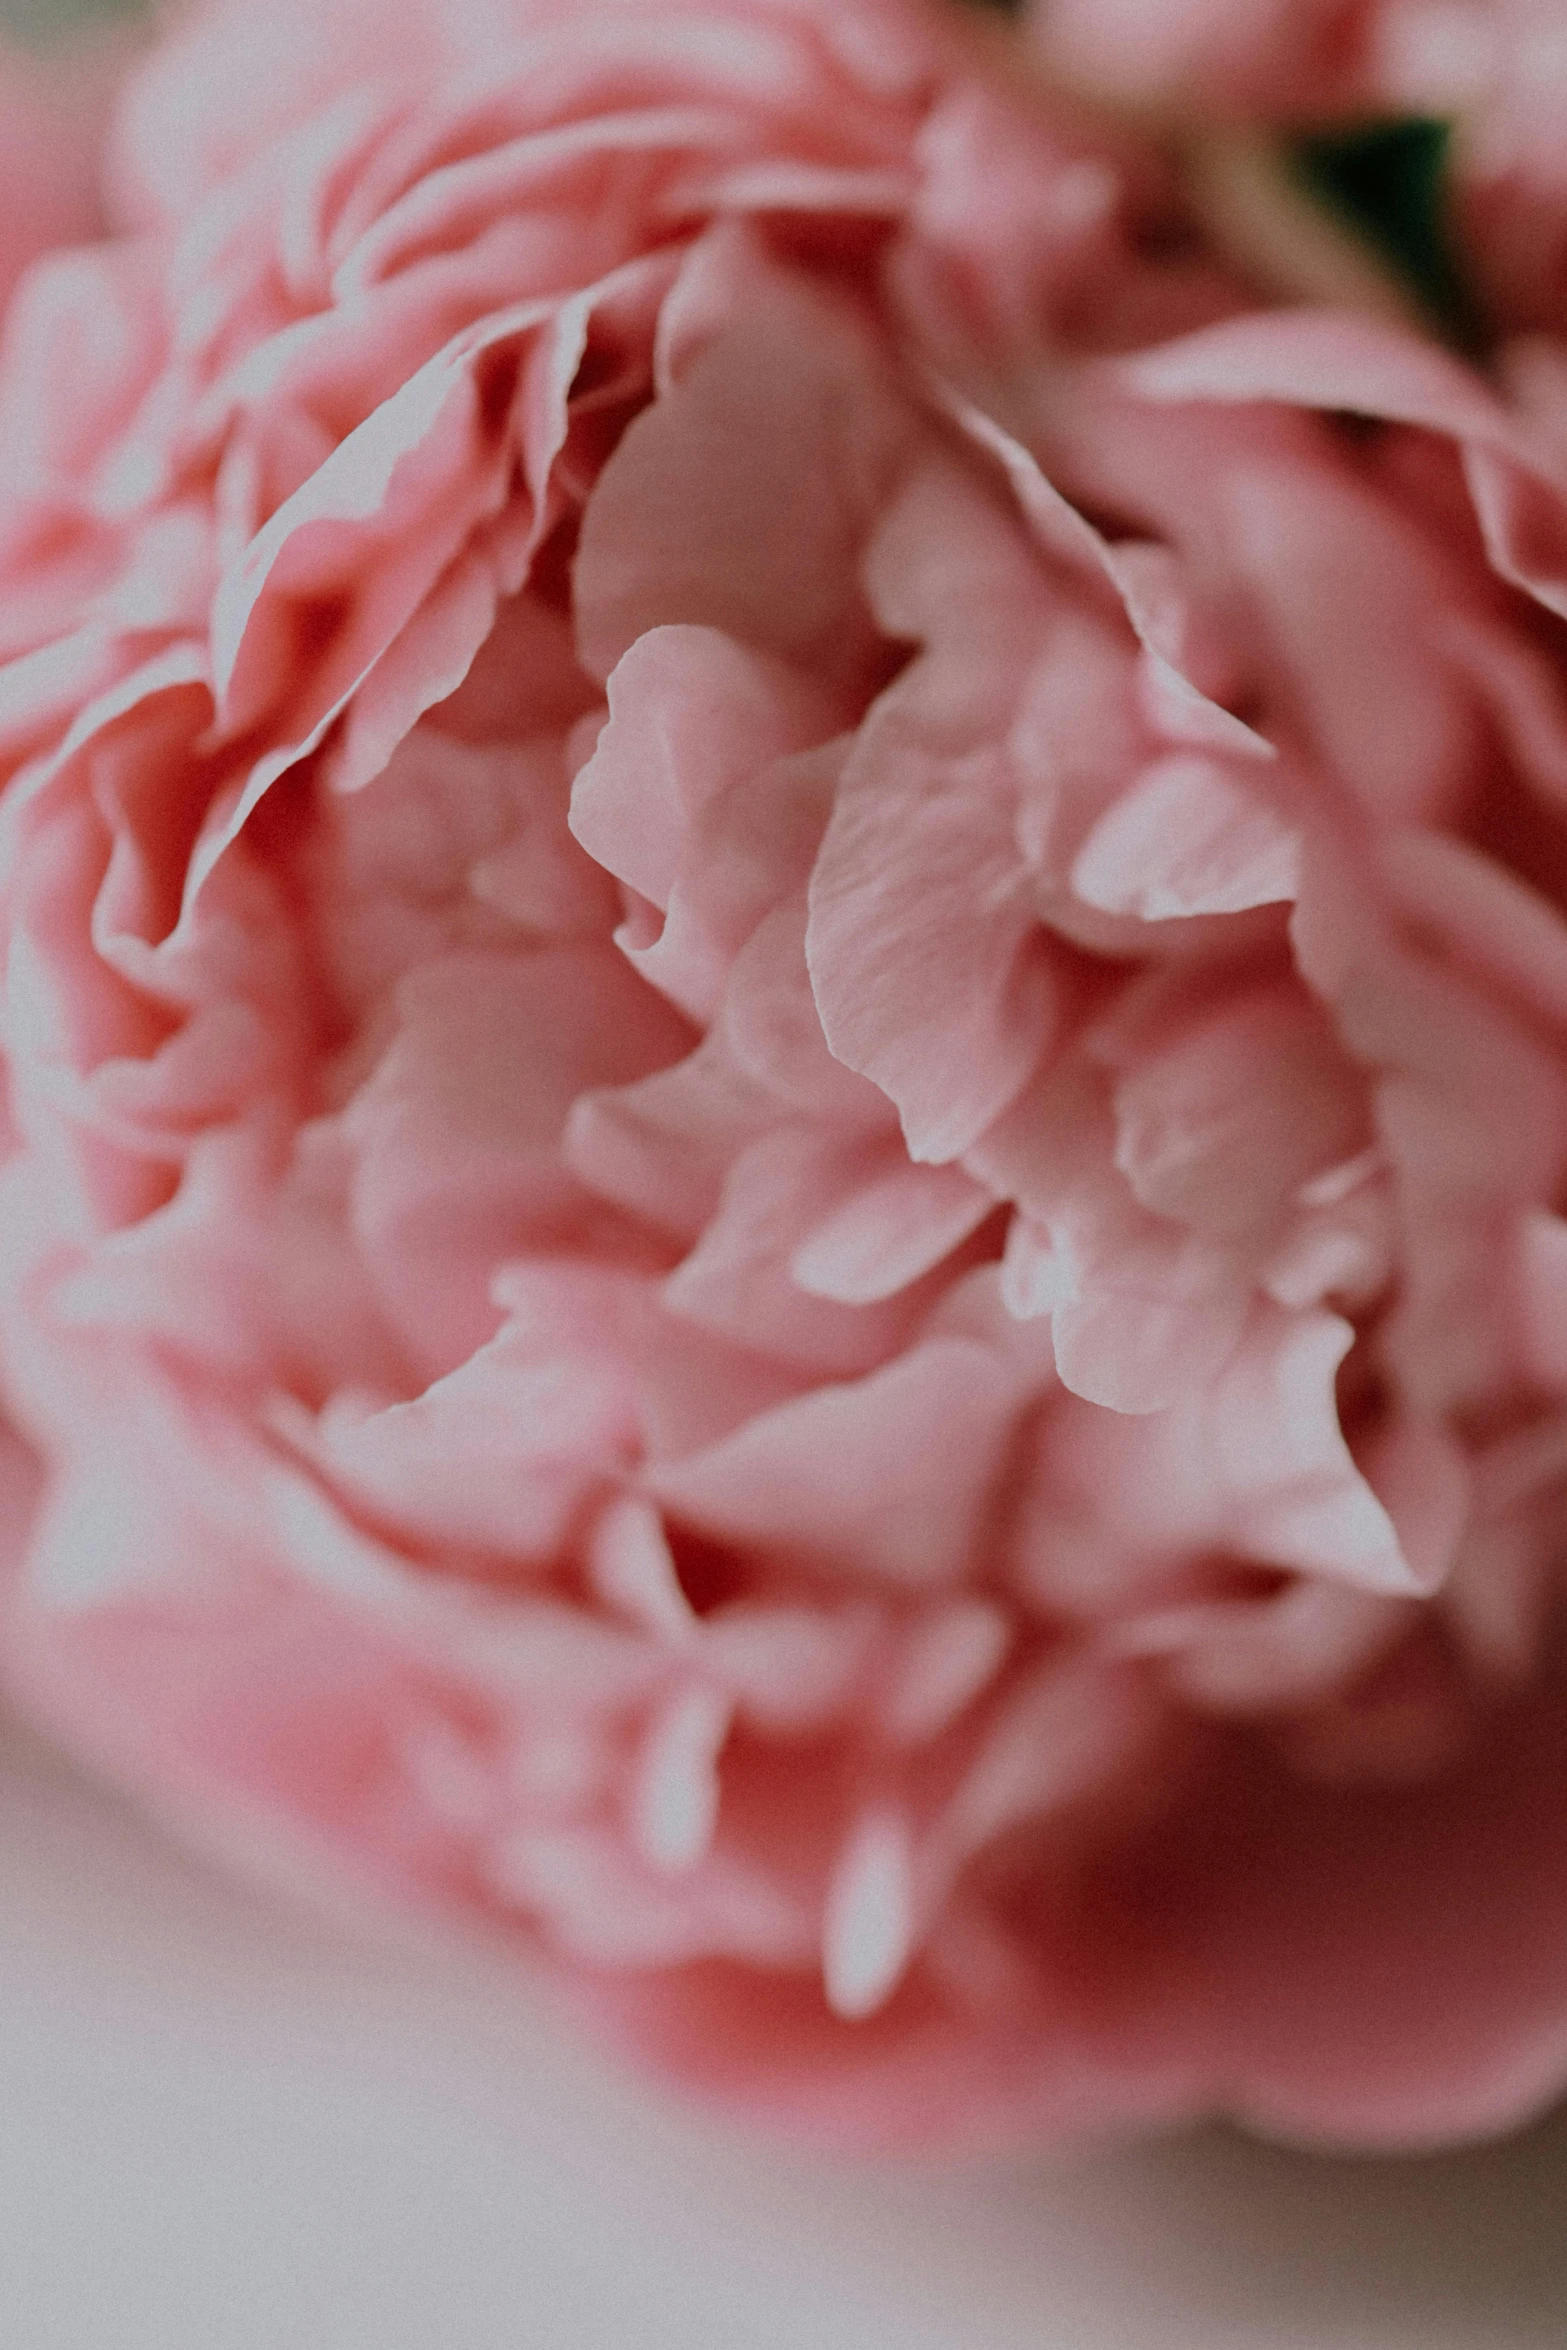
point(787, 1013)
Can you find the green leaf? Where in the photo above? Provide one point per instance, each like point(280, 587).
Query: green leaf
point(1389, 181)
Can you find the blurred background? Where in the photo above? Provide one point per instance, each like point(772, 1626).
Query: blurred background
point(42, 20)
point(225, 2125)
point(228, 2125)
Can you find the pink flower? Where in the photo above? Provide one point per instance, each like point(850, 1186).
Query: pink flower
point(53, 110)
point(1226, 57)
point(784, 982)
point(1500, 72)
point(1496, 69)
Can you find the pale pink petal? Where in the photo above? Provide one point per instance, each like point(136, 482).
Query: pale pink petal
point(950, 1657)
point(925, 952)
point(500, 1456)
point(696, 721)
point(1258, 1656)
point(1222, 1127)
point(740, 1280)
point(707, 514)
point(868, 1929)
point(1061, 1734)
point(1267, 1435)
point(458, 1130)
point(676, 1790)
point(1142, 1309)
point(1187, 839)
point(1343, 362)
point(898, 1221)
point(811, 1477)
point(792, 1671)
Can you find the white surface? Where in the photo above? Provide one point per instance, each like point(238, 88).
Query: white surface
point(226, 2125)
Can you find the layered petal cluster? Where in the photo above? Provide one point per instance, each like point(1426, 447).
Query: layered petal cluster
point(784, 991)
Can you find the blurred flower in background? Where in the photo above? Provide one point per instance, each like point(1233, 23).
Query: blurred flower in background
point(784, 987)
point(1494, 70)
point(54, 109)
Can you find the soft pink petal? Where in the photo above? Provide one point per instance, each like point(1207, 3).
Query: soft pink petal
point(943, 1413)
